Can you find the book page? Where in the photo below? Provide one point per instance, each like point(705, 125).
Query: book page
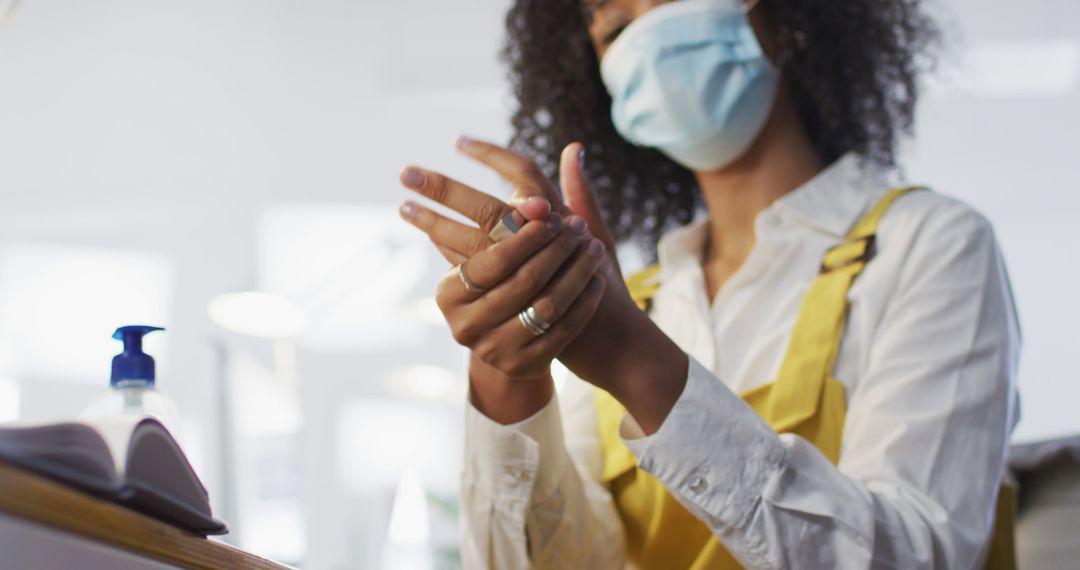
point(155, 460)
point(68, 450)
point(116, 431)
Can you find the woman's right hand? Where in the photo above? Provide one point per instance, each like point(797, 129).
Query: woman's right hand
point(548, 265)
point(619, 349)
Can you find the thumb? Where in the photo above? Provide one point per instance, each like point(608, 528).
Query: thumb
point(530, 206)
point(579, 195)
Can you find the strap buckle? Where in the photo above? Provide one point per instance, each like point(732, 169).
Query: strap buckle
point(867, 252)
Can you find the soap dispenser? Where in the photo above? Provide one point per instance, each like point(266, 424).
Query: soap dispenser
point(132, 390)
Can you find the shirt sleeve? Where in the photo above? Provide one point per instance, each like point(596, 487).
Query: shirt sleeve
point(924, 440)
point(531, 498)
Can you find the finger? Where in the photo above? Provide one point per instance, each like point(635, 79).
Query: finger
point(562, 333)
point(525, 280)
point(531, 207)
point(453, 295)
point(445, 232)
point(552, 303)
point(484, 209)
point(491, 267)
point(523, 173)
point(579, 195)
point(455, 258)
point(511, 345)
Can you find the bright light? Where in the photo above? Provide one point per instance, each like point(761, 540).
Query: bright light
point(258, 314)
point(408, 539)
point(409, 516)
point(264, 407)
point(427, 310)
point(379, 439)
point(9, 400)
point(355, 268)
point(426, 381)
point(67, 300)
point(275, 528)
point(559, 373)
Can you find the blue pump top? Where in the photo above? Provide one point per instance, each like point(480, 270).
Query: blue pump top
point(133, 363)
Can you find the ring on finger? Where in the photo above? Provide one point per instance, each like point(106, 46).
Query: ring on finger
point(506, 227)
point(468, 283)
point(532, 321)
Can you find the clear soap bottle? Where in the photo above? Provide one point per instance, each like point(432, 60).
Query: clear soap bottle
point(132, 389)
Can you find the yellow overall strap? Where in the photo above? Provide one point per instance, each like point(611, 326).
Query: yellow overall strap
point(643, 286)
point(804, 399)
point(815, 340)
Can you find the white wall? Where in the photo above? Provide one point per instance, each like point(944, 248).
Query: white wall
point(1001, 130)
point(169, 127)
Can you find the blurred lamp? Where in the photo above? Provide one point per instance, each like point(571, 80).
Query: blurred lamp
point(256, 314)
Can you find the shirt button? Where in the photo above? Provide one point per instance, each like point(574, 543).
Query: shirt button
point(521, 475)
point(698, 485)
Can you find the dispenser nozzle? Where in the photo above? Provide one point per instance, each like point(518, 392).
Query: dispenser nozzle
point(133, 363)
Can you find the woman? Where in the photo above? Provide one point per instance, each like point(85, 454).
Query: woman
point(872, 328)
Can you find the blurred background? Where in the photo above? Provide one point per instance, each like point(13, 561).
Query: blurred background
point(228, 170)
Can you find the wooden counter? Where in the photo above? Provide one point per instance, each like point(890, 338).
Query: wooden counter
point(30, 497)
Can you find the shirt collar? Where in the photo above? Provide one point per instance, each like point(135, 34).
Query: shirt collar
point(833, 200)
point(682, 248)
point(830, 202)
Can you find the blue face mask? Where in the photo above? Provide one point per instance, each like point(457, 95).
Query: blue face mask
point(690, 79)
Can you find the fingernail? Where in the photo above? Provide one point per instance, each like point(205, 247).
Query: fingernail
point(412, 177)
point(535, 200)
point(554, 222)
point(409, 211)
point(463, 142)
point(518, 200)
point(578, 225)
point(596, 248)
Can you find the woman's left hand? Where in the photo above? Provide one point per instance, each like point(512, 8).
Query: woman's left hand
point(534, 198)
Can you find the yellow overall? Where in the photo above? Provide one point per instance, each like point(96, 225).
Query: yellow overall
point(804, 399)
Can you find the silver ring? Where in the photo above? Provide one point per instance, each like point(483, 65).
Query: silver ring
point(469, 285)
point(504, 229)
point(535, 317)
point(532, 321)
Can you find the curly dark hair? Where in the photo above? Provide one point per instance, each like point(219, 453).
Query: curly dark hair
point(853, 68)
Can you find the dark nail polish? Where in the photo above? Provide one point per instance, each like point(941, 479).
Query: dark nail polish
point(578, 225)
point(596, 248)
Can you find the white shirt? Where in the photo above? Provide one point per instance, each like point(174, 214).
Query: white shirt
point(928, 361)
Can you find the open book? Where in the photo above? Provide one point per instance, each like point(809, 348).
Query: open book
point(129, 460)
